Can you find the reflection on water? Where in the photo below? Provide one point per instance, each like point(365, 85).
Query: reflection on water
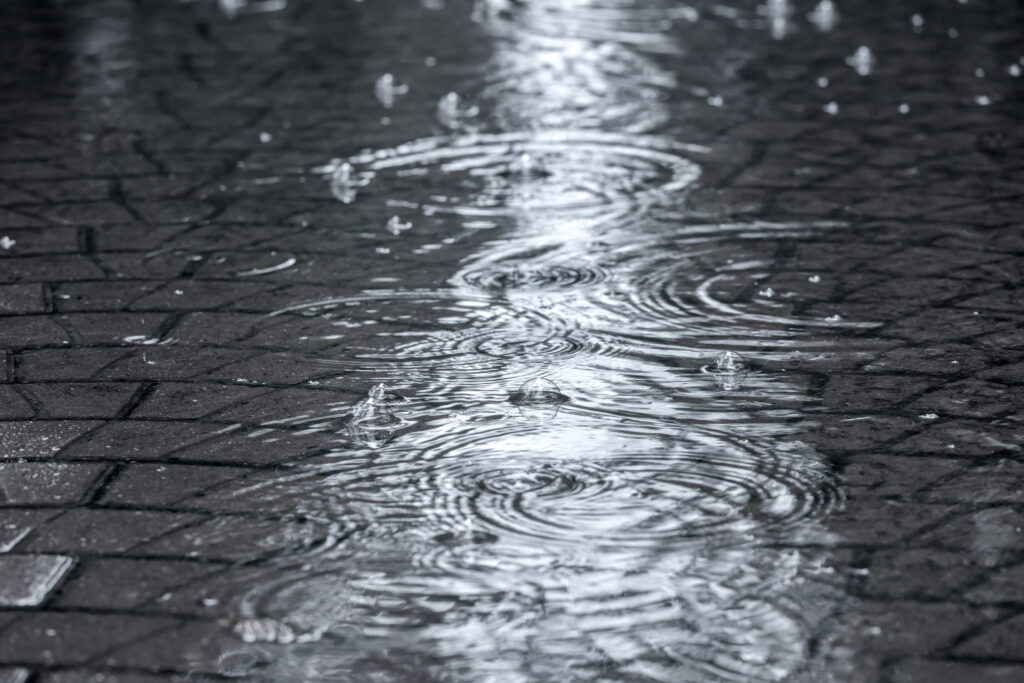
point(585, 479)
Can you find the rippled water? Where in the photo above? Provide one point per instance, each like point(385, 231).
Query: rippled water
point(641, 526)
point(575, 358)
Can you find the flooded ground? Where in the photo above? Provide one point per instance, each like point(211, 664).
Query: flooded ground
point(511, 340)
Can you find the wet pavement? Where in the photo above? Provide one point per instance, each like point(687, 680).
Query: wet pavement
point(596, 340)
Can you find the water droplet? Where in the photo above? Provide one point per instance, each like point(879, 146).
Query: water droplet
point(6, 242)
point(832, 108)
point(822, 81)
point(343, 184)
point(538, 391)
point(373, 411)
point(768, 292)
point(862, 61)
point(904, 108)
point(979, 73)
point(1014, 70)
point(953, 33)
point(983, 100)
point(265, 137)
point(386, 88)
point(729, 362)
point(452, 113)
point(814, 279)
point(929, 416)
point(395, 225)
point(917, 21)
point(834, 318)
point(825, 16)
point(430, 61)
point(716, 101)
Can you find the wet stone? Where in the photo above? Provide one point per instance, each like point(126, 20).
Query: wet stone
point(69, 638)
point(46, 483)
point(88, 530)
point(140, 485)
point(121, 584)
point(949, 671)
point(29, 579)
point(21, 299)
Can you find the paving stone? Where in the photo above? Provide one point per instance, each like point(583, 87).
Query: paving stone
point(67, 364)
point(121, 584)
point(16, 524)
point(192, 400)
point(911, 628)
point(100, 296)
point(14, 675)
point(237, 538)
point(69, 639)
point(40, 438)
point(920, 573)
point(28, 331)
point(103, 531)
point(1004, 585)
point(116, 328)
point(171, 363)
point(28, 579)
point(143, 485)
point(13, 403)
point(263, 446)
point(46, 483)
point(192, 295)
point(1001, 640)
point(919, 670)
point(1001, 481)
point(142, 439)
point(80, 399)
point(210, 647)
point(21, 299)
point(106, 676)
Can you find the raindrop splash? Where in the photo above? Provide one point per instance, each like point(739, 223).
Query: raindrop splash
point(452, 113)
point(862, 61)
point(386, 88)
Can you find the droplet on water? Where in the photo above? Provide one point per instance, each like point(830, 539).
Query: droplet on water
point(729, 362)
point(452, 113)
point(538, 391)
point(385, 88)
point(343, 185)
point(862, 61)
point(373, 411)
point(395, 225)
point(825, 16)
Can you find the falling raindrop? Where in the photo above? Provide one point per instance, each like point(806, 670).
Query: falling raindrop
point(862, 61)
point(825, 16)
point(395, 225)
point(385, 88)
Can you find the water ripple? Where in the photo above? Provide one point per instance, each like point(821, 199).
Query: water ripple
point(482, 175)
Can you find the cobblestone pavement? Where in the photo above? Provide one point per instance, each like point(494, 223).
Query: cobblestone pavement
point(157, 170)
